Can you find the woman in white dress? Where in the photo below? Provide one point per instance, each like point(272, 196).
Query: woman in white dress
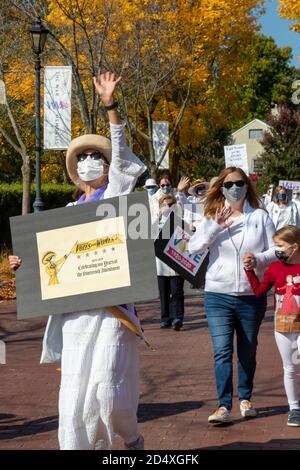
point(99, 389)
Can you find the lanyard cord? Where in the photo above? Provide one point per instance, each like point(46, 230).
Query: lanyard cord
point(243, 238)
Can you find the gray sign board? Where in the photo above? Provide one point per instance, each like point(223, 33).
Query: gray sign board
point(80, 257)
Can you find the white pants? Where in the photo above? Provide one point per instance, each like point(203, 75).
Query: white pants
point(99, 389)
point(289, 348)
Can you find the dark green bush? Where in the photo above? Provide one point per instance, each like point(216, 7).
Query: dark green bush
point(53, 195)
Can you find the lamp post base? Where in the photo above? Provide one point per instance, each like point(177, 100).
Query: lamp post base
point(38, 206)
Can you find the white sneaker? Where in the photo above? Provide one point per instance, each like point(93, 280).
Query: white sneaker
point(247, 410)
point(136, 445)
point(221, 415)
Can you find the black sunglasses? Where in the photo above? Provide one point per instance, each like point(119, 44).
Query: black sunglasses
point(229, 184)
point(94, 156)
point(165, 185)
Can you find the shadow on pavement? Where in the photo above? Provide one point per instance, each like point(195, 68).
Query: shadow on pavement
point(7, 417)
point(28, 428)
point(274, 444)
point(271, 411)
point(151, 411)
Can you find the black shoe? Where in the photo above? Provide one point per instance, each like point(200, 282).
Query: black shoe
point(294, 418)
point(177, 324)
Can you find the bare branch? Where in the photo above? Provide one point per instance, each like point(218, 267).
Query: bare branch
point(10, 141)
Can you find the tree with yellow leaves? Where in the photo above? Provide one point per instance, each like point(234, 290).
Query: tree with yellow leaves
point(290, 9)
point(14, 128)
point(180, 61)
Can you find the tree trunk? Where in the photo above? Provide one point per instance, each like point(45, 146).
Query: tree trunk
point(26, 185)
point(67, 179)
point(153, 170)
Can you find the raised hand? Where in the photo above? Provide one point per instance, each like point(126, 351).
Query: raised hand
point(105, 85)
point(222, 217)
point(183, 184)
point(14, 262)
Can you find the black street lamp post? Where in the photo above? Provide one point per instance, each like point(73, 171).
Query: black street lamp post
point(39, 36)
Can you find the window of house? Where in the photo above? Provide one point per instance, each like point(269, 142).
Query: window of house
point(256, 134)
point(256, 166)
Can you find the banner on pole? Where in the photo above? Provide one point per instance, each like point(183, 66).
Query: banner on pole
point(57, 107)
point(160, 140)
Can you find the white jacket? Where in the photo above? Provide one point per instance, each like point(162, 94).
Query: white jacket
point(124, 170)
point(158, 222)
point(225, 272)
point(154, 201)
point(292, 211)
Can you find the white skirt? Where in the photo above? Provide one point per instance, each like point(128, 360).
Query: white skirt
point(99, 390)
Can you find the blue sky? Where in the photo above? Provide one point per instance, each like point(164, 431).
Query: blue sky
point(278, 28)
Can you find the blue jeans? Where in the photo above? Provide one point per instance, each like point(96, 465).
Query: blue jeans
point(226, 314)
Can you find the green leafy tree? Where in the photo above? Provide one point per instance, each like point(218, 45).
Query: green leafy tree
point(269, 78)
point(281, 155)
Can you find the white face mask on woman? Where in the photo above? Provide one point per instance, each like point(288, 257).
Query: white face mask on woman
point(90, 169)
point(166, 188)
point(234, 194)
point(234, 191)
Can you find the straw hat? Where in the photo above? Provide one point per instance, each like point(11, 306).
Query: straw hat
point(79, 145)
point(195, 184)
point(48, 256)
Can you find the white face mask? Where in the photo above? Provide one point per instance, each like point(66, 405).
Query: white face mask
point(151, 191)
point(235, 194)
point(90, 170)
point(166, 189)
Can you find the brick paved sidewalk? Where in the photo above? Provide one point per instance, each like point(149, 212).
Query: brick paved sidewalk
point(177, 388)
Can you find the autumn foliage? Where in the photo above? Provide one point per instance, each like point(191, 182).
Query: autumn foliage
point(181, 61)
point(290, 9)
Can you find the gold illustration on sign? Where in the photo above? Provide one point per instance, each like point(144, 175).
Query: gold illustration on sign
point(92, 245)
point(52, 266)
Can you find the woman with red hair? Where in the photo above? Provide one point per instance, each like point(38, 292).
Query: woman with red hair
point(234, 225)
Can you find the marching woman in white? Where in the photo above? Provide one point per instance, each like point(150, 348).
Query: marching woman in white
point(170, 283)
point(165, 187)
point(99, 355)
point(282, 211)
point(233, 224)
